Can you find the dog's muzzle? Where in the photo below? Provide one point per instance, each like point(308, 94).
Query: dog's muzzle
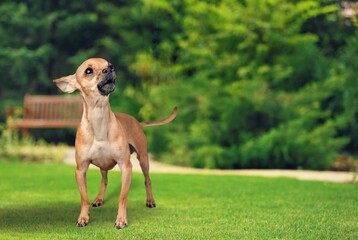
point(107, 86)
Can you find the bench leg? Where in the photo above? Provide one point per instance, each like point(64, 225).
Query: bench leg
point(24, 132)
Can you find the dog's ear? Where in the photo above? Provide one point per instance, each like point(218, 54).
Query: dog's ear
point(66, 84)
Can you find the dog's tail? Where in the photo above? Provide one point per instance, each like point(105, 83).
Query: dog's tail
point(166, 120)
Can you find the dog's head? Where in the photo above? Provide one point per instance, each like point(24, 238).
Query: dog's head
point(95, 76)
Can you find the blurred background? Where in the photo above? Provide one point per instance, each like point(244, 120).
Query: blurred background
point(258, 83)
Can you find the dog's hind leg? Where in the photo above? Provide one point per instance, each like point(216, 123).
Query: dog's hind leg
point(99, 199)
point(144, 164)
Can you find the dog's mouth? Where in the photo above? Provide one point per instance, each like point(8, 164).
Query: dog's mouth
point(107, 86)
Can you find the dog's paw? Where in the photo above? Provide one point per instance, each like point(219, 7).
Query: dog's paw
point(150, 204)
point(120, 224)
point(97, 203)
point(82, 222)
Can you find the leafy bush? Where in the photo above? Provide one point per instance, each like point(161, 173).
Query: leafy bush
point(253, 89)
point(292, 147)
point(258, 83)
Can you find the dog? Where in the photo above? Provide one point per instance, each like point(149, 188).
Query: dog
point(106, 139)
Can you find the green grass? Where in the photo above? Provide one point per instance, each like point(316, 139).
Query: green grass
point(41, 201)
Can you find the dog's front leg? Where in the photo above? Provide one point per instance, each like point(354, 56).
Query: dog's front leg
point(83, 219)
point(121, 221)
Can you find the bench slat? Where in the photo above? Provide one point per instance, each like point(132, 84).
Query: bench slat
point(43, 123)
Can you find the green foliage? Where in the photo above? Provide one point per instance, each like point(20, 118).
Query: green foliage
point(252, 89)
point(41, 41)
point(258, 83)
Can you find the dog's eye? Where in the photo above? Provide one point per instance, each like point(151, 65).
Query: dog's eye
point(89, 71)
point(111, 68)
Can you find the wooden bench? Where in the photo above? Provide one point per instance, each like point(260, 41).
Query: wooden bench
point(47, 112)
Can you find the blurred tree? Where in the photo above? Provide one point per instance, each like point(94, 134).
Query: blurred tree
point(141, 44)
point(250, 78)
point(41, 40)
point(344, 102)
point(259, 83)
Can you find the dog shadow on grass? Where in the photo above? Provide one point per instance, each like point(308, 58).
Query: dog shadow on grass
point(62, 216)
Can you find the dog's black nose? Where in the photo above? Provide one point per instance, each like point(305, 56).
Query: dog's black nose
point(109, 69)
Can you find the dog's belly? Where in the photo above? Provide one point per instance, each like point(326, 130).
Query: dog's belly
point(104, 165)
point(104, 155)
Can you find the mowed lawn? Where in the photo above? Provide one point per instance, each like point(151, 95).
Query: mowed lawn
point(41, 201)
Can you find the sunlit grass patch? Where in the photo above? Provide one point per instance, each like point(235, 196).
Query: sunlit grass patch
point(41, 201)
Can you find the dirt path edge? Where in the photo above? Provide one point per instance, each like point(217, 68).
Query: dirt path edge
point(157, 167)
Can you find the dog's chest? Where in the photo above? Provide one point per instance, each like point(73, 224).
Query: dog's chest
point(103, 154)
point(102, 150)
point(103, 145)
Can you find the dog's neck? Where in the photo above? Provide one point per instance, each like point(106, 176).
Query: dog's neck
point(96, 115)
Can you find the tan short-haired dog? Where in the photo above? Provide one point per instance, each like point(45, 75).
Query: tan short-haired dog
point(104, 138)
